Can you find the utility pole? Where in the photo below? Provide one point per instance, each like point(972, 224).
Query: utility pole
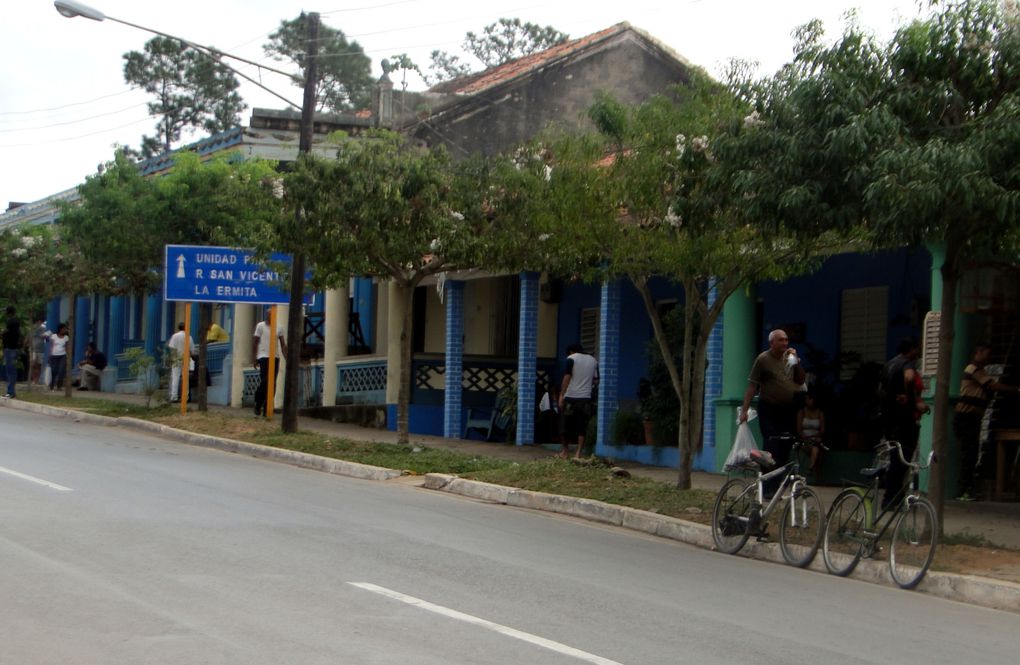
point(295, 317)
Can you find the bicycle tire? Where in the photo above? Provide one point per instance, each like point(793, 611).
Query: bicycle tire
point(800, 538)
point(914, 538)
point(844, 539)
point(732, 510)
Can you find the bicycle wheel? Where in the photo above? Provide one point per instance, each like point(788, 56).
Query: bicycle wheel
point(845, 536)
point(731, 514)
point(913, 543)
point(800, 527)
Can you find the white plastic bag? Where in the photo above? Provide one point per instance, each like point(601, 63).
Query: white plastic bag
point(743, 444)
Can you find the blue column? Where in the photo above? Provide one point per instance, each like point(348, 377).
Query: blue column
point(453, 295)
point(82, 323)
point(53, 314)
point(115, 338)
point(609, 365)
point(705, 460)
point(151, 324)
point(527, 359)
point(364, 305)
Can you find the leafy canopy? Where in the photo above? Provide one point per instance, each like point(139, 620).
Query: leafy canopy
point(191, 90)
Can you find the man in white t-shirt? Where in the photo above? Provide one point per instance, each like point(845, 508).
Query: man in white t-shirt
point(580, 379)
point(176, 346)
point(260, 351)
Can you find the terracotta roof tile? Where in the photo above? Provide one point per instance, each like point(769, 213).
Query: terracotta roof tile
point(475, 83)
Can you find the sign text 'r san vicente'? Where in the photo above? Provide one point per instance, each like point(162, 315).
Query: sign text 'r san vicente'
point(223, 274)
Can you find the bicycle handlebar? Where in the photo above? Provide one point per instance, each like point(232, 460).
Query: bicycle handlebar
point(887, 446)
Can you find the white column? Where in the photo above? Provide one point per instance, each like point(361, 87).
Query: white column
point(394, 316)
point(335, 331)
point(240, 349)
point(282, 312)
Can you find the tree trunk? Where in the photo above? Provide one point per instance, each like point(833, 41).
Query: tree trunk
point(71, 341)
point(406, 357)
point(295, 337)
point(940, 424)
point(202, 390)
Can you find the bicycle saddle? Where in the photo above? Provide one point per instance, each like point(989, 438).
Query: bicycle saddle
point(872, 471)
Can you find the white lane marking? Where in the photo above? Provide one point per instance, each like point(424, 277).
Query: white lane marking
point(473, 620)
point(33, 479)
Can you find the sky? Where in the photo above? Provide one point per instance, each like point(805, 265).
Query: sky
point(64, 104)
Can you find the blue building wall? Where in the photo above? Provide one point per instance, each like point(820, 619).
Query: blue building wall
point(814, 300)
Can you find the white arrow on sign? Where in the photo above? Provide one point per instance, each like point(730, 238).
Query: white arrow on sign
point(180, 266)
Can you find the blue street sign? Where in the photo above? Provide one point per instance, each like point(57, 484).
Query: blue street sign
point(194, 273)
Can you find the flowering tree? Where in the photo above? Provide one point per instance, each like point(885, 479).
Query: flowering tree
point(913, 141)
point(382, 208)
point(124, 220)
point(680, 219)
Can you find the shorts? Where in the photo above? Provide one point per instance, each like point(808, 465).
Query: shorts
point(575, 417)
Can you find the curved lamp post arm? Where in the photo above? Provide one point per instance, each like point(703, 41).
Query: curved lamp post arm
point(72, 9)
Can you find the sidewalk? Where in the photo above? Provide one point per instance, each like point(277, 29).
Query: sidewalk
point(998, 523)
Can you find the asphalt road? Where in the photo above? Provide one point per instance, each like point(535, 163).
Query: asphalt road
point(117, 547)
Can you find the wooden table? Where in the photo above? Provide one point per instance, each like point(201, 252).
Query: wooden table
point(1003, 437)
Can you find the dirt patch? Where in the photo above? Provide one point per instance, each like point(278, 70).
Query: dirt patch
point(218, 424)
point(1002, 564)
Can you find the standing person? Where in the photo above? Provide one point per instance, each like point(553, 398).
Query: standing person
point(37, 351)
point(176, 346)
point(260, 351)
point(58, 356)
point(976, 390)
point(216, 333)
point(902, 407)
point(12, 348)
point(90, 370)
point(580, 379)
point(776, 376)
point(811, 427)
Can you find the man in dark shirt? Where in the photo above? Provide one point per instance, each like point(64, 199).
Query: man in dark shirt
point(91, 368)
point(901, 412)
point(12, 347)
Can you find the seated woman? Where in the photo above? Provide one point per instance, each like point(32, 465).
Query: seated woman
point(811, 427)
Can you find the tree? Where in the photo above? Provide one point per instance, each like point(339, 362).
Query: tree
point(191, 89)
point(914, 141)
point(344, 80)
point(389, 209)
point(674, 214)
point(500, 42)
point(123, 220)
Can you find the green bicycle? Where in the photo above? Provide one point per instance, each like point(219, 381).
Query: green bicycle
point(853, 531)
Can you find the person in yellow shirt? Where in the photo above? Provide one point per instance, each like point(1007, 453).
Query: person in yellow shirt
point(217, 334)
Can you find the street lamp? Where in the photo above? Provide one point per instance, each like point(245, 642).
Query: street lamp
point(295, 322)
point(72, 9)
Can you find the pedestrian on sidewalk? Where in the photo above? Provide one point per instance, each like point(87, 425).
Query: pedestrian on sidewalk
point(976, 392)
point(777, 377)
point(38, 351)
point(176, 347)
point(902, 407)
point(12, 349)
point(90, 370)
point(580, 380)
point(58, 356)
point(260, 351)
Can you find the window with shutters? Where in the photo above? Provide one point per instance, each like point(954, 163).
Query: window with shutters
point(863, 327)
point(589, 338)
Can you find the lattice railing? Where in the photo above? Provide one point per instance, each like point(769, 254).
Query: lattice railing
point(362, 382)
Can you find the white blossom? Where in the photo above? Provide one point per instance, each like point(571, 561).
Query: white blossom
point(19, 252)
point(435, 245)
point(699, 143)
point(753, 120)
point(681, 145)
point(544, 236)
point(457, 216)
point(278, 188)
point(548, 173)
point(673, 219)
point(29, 241)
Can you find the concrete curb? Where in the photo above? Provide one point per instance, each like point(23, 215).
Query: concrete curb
point(304, 460)
point(983, 591)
